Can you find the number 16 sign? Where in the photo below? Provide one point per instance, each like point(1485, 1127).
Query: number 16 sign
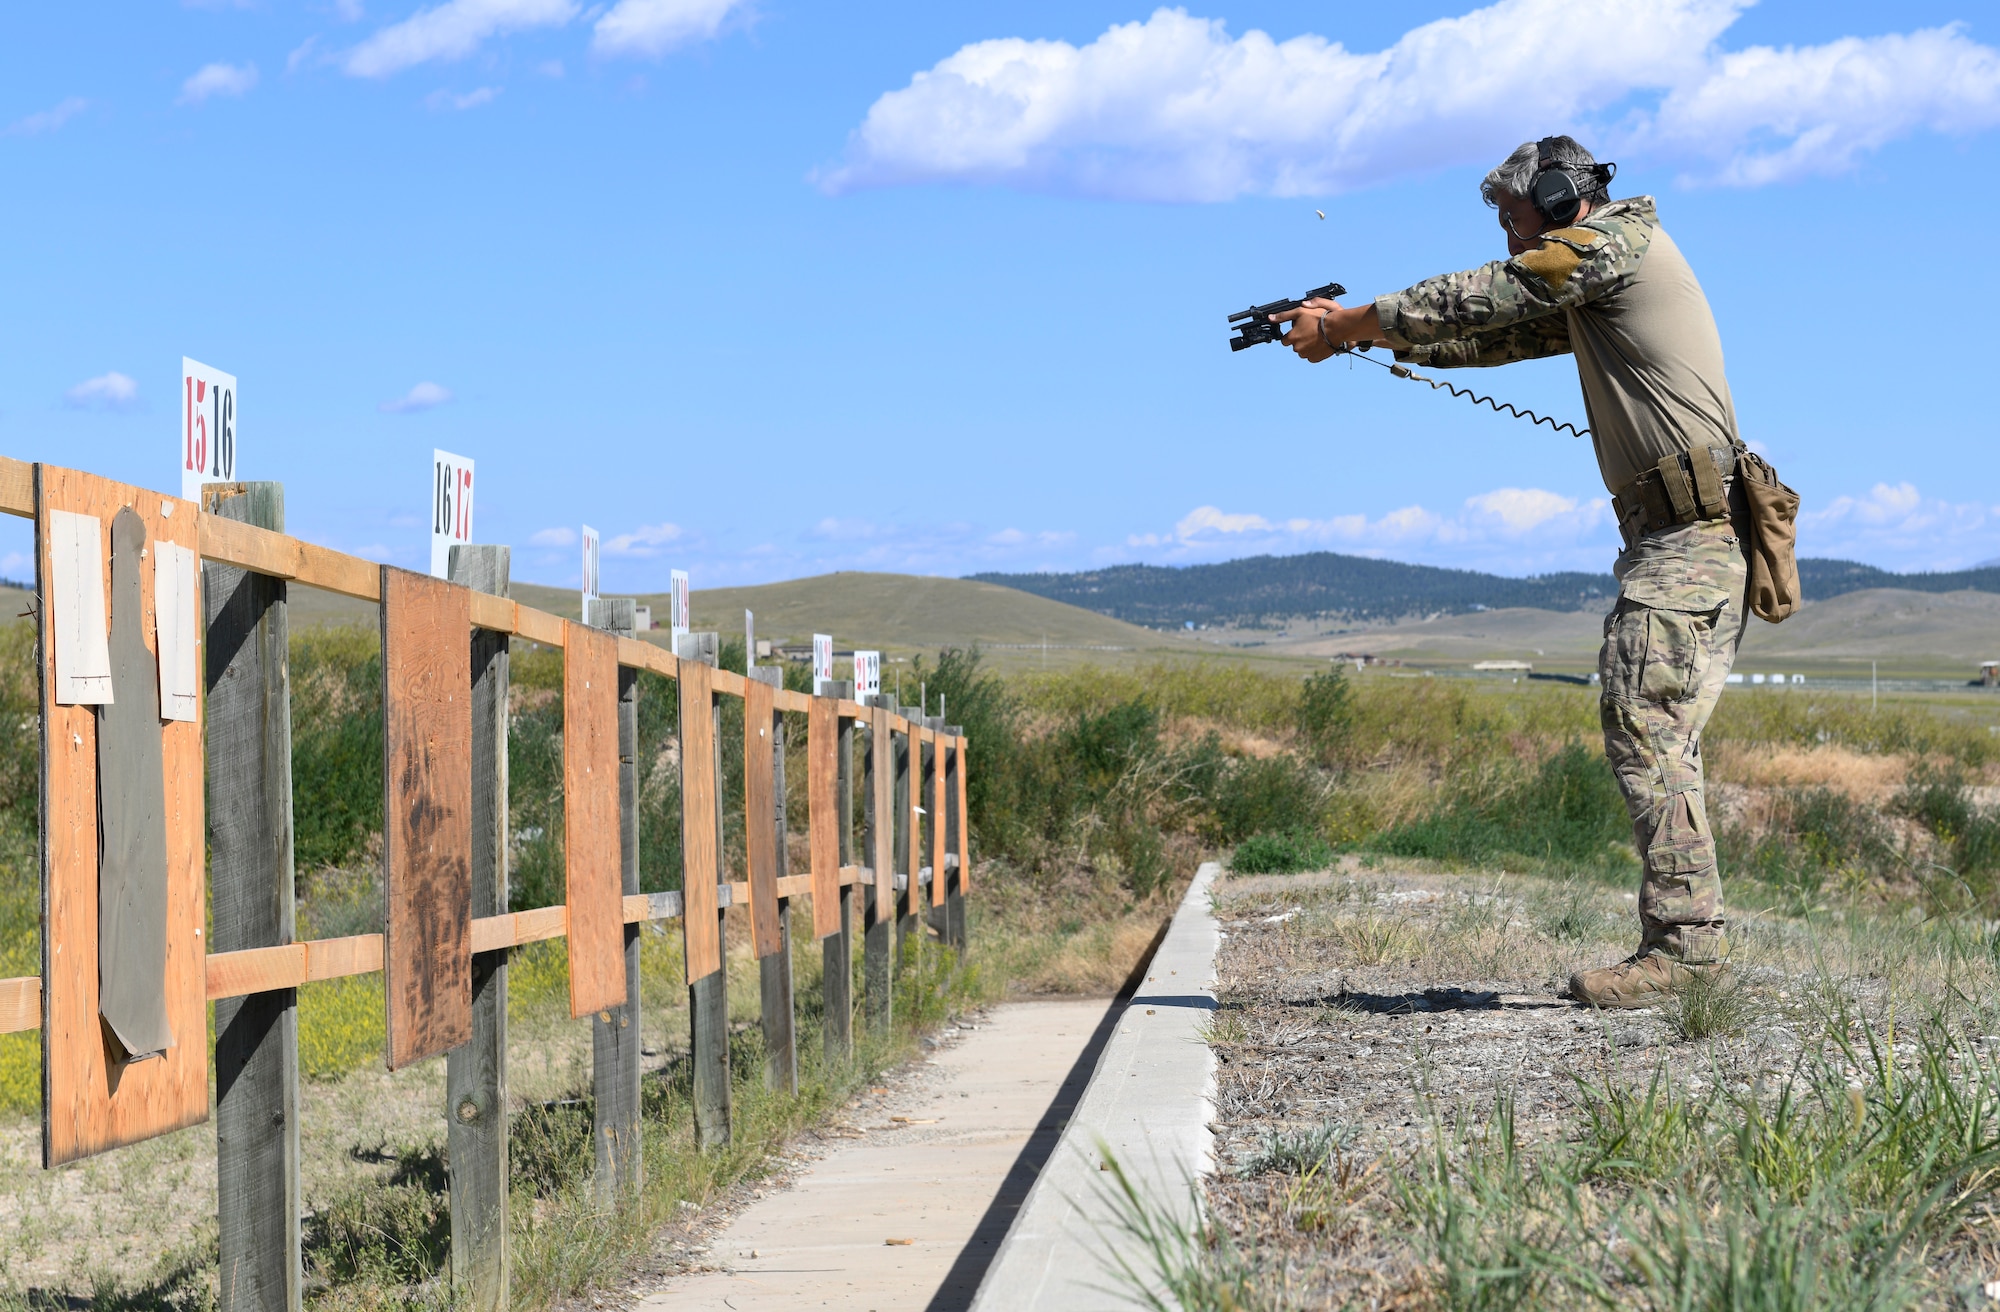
point(208, 427)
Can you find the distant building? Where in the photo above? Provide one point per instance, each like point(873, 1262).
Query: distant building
point(1509, 667)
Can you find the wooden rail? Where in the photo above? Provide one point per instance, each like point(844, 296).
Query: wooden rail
point(447, 935)
point(260, 970)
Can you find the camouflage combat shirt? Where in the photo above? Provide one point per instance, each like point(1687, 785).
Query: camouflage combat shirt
point(1615, 291)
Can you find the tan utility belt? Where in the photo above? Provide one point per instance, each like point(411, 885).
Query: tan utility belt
point(1684, 488)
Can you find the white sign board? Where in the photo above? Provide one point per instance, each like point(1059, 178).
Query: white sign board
point(642, 618)
point(590, 592)
point(677, 607)
point(208, 428)
point(822, 662)
point(451, 508)
point(867, 674)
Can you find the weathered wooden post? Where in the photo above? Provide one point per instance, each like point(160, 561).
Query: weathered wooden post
point(878, 901)
point(615, 1068)
point(250, 838)
point(475, 1073)
point(764, 845)
point(701, 873)
point(954, 840)
point(837, 950)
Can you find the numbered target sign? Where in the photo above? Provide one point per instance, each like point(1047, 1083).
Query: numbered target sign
point(208, 427)
point(822, 662)
point(677, 606)
point(867, 674)
point(590, 592)
point(451, 508)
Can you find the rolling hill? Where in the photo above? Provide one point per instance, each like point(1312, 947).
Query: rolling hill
point(1264, 590)
point(901, 612)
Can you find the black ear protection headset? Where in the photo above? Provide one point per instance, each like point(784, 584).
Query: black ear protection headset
point(1553, 192)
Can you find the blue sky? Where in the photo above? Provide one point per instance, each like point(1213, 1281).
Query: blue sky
point(761, 289)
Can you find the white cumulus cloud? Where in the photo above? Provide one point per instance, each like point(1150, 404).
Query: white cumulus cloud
point(472, 99)
point(561, 536)
point(212, 80)
point(1520, 509)
point(1897, 527)
point(107, 391)
point(644, 542)
point(650, 28)
point(451, 31)
point(47, 120)
point(1175, 108)
point(1512, 530)
point(1763, 115)
point(424, 396)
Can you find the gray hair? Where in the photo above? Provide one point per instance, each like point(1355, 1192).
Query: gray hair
point(1517, 172)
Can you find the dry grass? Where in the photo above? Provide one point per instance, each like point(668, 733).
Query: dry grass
point(1861, 776)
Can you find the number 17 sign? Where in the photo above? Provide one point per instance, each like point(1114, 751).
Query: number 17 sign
point(208, 427)
point(451, 508)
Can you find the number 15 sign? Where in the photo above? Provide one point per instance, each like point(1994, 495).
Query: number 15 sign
point(208, 427)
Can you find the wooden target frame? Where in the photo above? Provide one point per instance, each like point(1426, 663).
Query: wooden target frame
point(823, 809)
point(92, 1102)
point(701, 864)
point(593, 861)
point(760, 817)
point(938, 750)
point(426, 814)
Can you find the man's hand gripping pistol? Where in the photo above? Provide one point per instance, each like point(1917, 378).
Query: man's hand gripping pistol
point(1256, 326)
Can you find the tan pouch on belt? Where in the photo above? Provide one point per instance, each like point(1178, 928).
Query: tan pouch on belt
point(1774, 562)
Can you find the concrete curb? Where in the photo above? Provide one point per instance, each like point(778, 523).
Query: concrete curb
point(1150, 1102)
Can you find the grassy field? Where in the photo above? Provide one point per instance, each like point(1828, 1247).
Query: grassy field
point(1095, 791)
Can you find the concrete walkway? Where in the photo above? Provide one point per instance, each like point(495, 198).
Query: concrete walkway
point(1148, 1104)
point(998, 1100)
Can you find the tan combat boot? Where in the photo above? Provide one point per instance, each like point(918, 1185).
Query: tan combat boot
point(1645, 979)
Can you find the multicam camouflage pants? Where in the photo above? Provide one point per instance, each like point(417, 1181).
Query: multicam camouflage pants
point(1668, 645)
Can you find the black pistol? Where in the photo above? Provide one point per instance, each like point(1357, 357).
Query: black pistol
point(1258, 327)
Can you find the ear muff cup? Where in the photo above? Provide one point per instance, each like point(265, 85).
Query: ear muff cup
point(1555, 196)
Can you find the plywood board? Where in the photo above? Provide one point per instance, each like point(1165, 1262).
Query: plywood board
point(700, 867)
point(426, 814)
point(823, 813)
point(593, 878)
point(938, 750)
point(760, 819)
point(90, 1102)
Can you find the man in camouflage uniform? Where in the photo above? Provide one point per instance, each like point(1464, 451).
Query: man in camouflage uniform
point(1610, 287)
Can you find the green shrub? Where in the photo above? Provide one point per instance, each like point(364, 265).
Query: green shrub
point(1326, 714)
point(1567, 814)
point(336, 743)
point(1276, 794)
point(1281, 853)
point(1818, 837)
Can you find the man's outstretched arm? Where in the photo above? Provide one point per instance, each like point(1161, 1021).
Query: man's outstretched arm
point(1532, 340)
point(1568, 268)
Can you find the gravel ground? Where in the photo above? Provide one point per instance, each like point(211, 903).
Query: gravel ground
point(1373, 1005)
